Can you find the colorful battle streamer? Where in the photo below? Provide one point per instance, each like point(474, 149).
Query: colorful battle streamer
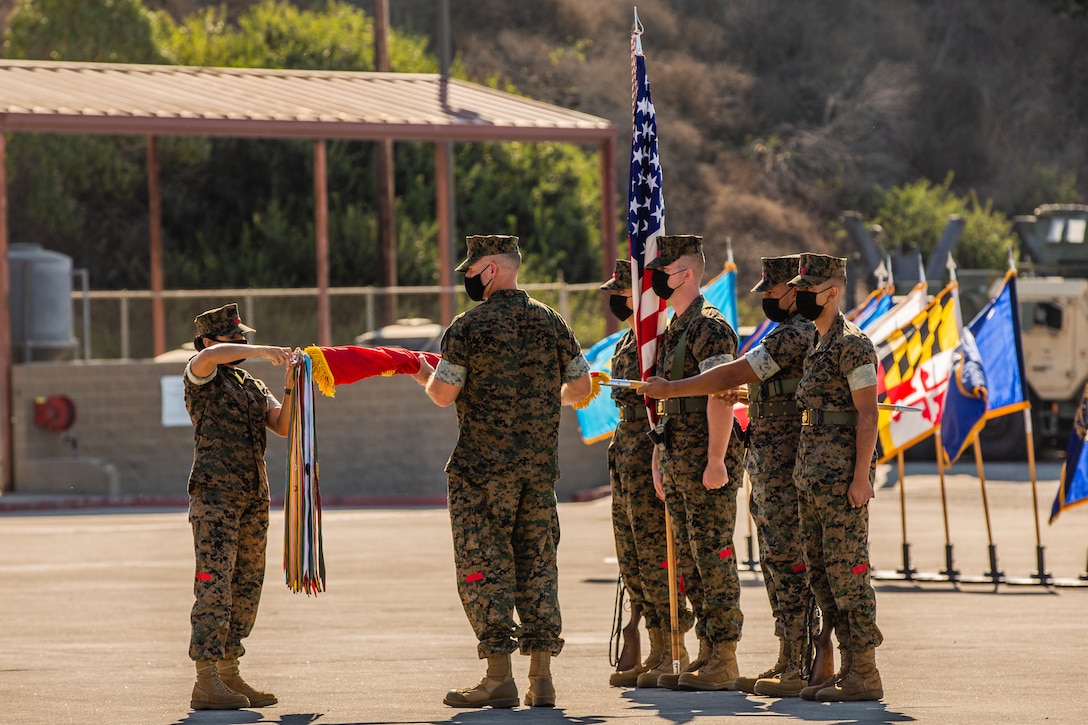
point(303, 558)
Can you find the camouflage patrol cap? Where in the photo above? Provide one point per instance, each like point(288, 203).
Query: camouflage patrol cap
point(221, 321)
point(812, 269)
point(671, 248)
point(621, 280)
point(483, 245)
point(777, 270)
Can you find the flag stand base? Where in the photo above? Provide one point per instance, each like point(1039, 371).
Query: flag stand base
point(751, 563)
point(1041, 575)
point(949, 572)
point(994, 575)
point(907, 572)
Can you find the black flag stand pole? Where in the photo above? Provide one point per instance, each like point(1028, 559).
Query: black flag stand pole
point(907, 572)
point(949, 572)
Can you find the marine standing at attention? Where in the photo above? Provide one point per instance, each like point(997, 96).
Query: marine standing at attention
point(698, 462)
point(836, 463)
point(638, 515)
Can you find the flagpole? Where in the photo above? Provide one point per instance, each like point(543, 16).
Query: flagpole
point(750, 564)
point(674, 595)
point(949, 572)
point(1041, 574)
point(646, 342)
point(906, 571)
point(993, 575)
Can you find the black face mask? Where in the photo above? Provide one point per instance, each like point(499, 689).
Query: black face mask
point(660, 282)
point(774, 311)
point(618, 305)
point(475, 286)
point(807, 306)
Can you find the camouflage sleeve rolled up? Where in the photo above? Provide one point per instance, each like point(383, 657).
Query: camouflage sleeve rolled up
point(515, 353)
point(229, 411)
point(857, 361)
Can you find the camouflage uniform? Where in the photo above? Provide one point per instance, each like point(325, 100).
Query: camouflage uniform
point(703, 519)
point(228, 498)
point(835, 536)
point(773, 437)
point(510, 355)
point(638, 515)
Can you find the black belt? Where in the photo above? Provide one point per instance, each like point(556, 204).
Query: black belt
point(829, 417)
point(678, 406)
point(629, 413)
point(772, 408)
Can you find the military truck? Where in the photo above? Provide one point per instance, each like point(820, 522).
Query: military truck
point(1052, 287)
point(1053, 292)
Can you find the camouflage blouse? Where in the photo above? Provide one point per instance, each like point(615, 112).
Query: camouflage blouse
point(511, 355)
point(229, 411)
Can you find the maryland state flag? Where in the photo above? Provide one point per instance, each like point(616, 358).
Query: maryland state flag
point(1073, 490)
point(915, 364)
point(346, 364)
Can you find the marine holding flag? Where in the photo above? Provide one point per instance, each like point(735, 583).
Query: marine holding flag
point(638, 516)
point(231, 413)
point(772, 370)
point(508, 364)
point(836, 462)
point(698, 463)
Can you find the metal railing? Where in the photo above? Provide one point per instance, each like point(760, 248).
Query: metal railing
point(116, 324)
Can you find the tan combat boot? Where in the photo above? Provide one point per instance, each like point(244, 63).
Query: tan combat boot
point(541, 690)
point(209, 692)
point(496, 689)
point(629, 678)
point(228, 674)
point(748, 684)
point(664, 665)
point(719, 672)
point(861, 682)
point(809, 693)
point(789, 682)
point(662, 675)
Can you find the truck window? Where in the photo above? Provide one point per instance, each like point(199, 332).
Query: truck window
point(1074, 233)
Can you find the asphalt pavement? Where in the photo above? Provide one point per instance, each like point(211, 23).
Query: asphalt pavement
point(95, 605)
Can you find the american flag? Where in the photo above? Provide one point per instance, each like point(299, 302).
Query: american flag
point(645, 212)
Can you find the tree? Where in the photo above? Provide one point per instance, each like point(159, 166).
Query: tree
point(915, 214)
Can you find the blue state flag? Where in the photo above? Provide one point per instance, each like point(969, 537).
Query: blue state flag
point(996, 333)
point(966, 400)
point(1073, 488)
point(599, 419)
point(994, 328)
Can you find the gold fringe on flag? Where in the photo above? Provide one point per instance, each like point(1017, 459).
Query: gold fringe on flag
point(321, 372)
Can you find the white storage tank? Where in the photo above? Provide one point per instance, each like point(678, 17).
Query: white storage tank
point(41, 303)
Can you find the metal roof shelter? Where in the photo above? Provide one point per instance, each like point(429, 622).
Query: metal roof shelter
point(163, 100)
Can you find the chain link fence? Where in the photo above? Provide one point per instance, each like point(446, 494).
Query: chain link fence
point(118, 324)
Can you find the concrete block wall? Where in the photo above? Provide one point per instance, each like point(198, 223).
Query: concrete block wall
point(378, 439)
